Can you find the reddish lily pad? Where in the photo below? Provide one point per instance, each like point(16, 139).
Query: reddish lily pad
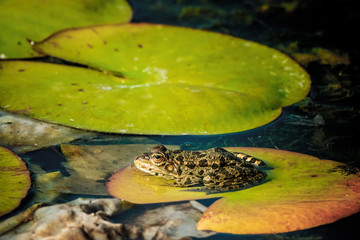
point(301, 192)
point(15, 180)
point(24, 21)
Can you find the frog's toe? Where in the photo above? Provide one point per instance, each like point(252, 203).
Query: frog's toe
point(250, 159)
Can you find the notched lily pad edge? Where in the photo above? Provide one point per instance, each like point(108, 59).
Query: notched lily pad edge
point(277, 112)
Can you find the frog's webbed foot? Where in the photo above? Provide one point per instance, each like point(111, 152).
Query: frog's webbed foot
point(208, 189)
point(217, 190)
point(194, 187)
point(250, 159)
point(197, 189)
point(186, 182)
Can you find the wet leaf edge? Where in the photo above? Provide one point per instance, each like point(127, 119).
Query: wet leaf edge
point(24, 174)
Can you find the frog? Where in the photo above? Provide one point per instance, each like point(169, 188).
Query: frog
point(215, 169)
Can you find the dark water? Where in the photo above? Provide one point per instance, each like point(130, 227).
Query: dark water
point(282, 133)
point(326, 125)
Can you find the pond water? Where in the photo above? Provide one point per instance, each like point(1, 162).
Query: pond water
point(325, 125)
point(279, 134)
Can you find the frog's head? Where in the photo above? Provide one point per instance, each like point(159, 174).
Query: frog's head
point(158, 155)
point(156, 162)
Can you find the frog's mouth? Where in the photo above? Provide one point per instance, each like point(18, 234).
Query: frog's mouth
point(143, 163)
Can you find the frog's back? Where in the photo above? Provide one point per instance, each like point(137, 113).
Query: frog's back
point(214, 158)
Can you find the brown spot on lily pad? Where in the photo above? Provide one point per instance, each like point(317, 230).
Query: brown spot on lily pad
point(54, 44)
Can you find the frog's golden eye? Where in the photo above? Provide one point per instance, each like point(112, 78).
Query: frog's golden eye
point(157, 159)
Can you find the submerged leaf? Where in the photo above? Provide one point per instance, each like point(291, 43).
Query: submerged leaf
point(24, 21)
point(95, 162)
point(155, 79)
point(15, 132)
point(300, 192)
point(48, 186)
point(15, 180)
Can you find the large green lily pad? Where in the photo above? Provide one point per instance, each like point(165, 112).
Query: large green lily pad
point(300, 192)
point(23, 21)
point(155, 79)
point(15, 180)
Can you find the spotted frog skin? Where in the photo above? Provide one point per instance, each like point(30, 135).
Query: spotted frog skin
point(216, 168)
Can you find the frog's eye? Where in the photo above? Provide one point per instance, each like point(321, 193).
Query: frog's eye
point(157, 159)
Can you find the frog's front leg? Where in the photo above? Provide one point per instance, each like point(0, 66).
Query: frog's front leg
point(232, 178)
point(187, 181)
point(215, 184)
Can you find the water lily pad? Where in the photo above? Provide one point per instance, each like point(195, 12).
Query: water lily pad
point(24, 20)
point(301, 192)
point(155, 79)
point(15, 180)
